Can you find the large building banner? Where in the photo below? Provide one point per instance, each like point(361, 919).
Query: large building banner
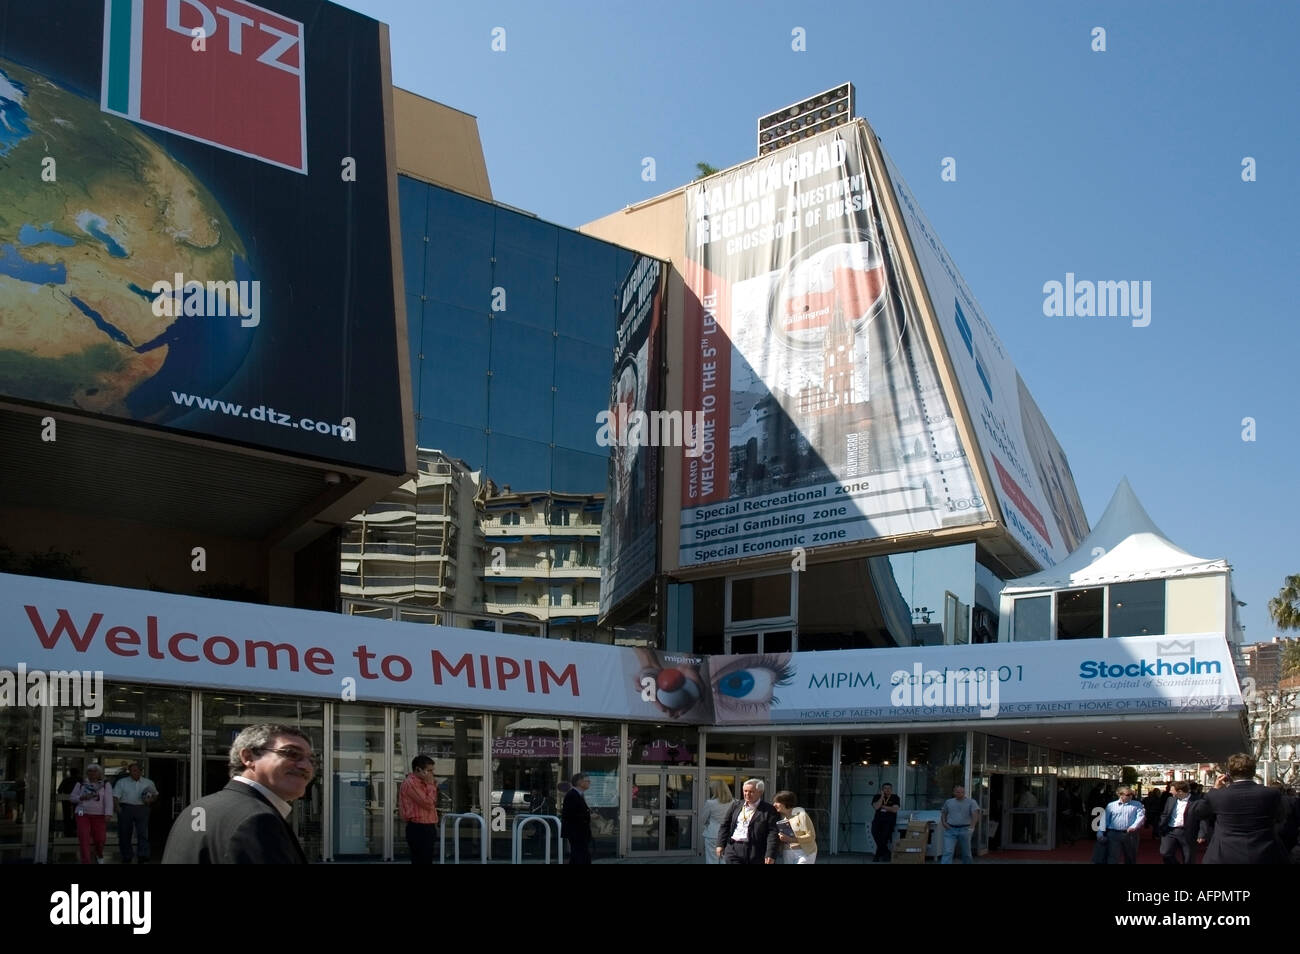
point(195, 230)
point(629, 530)
point(57, 632)
point(823, 417)
point(1030, 474)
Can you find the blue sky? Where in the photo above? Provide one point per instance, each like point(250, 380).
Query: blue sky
point(1117, 165)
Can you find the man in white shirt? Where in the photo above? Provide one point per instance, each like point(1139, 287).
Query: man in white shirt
point(748, 835)
point(1177, 830)
point(133, 796)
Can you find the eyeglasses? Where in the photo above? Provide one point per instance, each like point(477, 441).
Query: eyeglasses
point(295, 755)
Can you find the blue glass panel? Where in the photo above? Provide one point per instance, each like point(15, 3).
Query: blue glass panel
point(582, 373)
point(525, 233)
point(521, 465)
point(454, 380)
point(523, 370)
point(587, 306)
point(578, 251)
point(623, 262)
point(452, 210)
point(529, 284)
point(414, 330)
point(459, 269)
point(467, 443)
point(412, 210)
point(578, 473)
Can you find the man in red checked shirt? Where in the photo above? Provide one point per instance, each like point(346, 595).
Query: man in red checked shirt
point(417, 800)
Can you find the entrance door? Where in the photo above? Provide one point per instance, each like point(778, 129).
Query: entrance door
point(663, 811)
point(169, 773)
point(1029, 811)
point(171, 776)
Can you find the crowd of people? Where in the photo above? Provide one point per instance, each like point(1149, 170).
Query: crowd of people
point(1237, 821)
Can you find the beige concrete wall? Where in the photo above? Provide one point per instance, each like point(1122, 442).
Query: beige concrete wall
point(440, 145)
point(1196, 604)
point(654, 227)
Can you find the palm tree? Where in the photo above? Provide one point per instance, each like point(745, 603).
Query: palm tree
point(1285, 607)
point(705, 169)
point(1291, 658)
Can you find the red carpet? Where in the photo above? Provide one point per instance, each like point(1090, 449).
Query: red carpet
point(1081, 853)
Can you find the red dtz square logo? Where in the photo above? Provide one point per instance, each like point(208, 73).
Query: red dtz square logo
point(224, 72)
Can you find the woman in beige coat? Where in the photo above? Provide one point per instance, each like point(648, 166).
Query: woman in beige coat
point(799, 846)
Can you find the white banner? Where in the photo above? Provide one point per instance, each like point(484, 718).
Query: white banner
point(1027, 468)
point(161, 639)
point(1132, 675)
point(823, 417)
point(158, 638)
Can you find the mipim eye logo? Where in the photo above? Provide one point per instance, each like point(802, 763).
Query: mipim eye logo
point(223, 72)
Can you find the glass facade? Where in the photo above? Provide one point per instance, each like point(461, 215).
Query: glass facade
point(866, 763)
point(806, 766)
point(531, 763)
point(454, 740)
point(917, 598)
point(512, 324)
point(225, 714)
point(20, 788)
point(648, 781)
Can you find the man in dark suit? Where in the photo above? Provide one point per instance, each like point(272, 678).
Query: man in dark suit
point(1244, 816)
point(1288, 830)
point(247, 822)
point(575, 820)
point(1177, 827)
point(748, 834)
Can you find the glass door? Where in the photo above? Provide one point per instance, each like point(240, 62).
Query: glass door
point(663, 811)
point(1029, 811)
point(169, 773)
point(171, 776)
point(360, 785)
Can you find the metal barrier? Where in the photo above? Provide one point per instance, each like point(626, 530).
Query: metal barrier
point(455, 834)
point(516, 838)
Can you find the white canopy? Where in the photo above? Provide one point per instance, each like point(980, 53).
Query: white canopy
point(1124, 545)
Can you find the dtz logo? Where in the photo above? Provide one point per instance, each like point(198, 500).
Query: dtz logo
point(224, 72)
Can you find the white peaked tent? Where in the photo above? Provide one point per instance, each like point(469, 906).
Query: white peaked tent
point(1127, 547)
point(1124, 546)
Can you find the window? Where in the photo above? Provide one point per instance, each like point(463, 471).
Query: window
point(1033, 618)
point(764, 597)
point(1137, 609)
point(1079, 613)
point(510, 519)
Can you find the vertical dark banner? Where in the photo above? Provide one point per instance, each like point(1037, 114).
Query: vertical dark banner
point(634, 429)
point(195, 222)
point(823, 417)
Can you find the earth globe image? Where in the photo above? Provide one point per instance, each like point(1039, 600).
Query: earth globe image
point(94, 215)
